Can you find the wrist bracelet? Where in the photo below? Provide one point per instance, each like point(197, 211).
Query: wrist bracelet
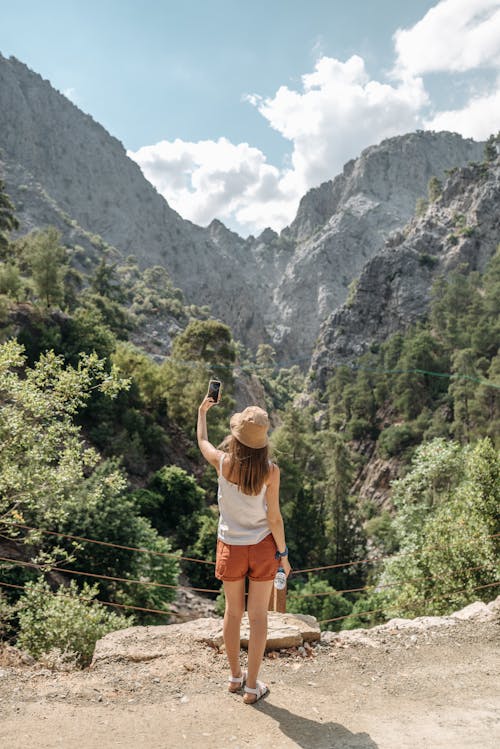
point(280, 554)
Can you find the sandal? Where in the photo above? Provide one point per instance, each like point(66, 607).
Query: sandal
point(239, 680)
point(260, 690)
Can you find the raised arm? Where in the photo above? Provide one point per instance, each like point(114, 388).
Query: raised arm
point(274, 517)
point(208, 451)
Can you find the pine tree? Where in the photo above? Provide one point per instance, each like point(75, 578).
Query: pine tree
point(47, 260)
point(8, 221)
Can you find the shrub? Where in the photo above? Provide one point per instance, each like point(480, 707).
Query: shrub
point(395, 439)
point(326, 606)
point(359, 428)
point(421, 207)
point(366, 612)
point(68, 619)
point(427, 261)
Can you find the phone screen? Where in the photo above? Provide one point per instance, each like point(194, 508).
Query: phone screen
point(214, 390)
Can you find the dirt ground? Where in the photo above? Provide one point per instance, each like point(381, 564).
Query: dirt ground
point(433, 689)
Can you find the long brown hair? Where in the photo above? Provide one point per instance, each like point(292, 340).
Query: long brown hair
point(249, 465)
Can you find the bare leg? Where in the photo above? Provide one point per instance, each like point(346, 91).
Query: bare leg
point(235, 606)
point(258, 601)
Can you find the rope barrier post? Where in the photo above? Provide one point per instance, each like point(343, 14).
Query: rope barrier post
point(277, 600)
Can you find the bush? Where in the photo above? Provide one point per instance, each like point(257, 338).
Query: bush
point(358, 429)
point(366, 612)
point(395, 439)
point(327, 606)
point(427, 261)
point(68, 619)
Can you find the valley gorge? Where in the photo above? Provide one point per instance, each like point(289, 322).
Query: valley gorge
point(63, 168)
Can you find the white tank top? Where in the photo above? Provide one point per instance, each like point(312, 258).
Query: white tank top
point(242, 517)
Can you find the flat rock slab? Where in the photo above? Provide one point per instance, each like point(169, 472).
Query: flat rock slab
point(477, 611)
point(147, 643)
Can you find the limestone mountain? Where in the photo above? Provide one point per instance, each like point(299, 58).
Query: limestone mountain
point(341, 225)
point(63, 168)
point(461, 227)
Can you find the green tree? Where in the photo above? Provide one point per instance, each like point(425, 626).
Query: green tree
point(43, 459)
point(101, 509)
point(105, 281)
point(416, 387)
point(8, 221)
point(180, 501)
point(491, 147)
point(447, 519)
point(204, 349)
point(343, 525)
point(47, 261)
point(421, 207)
point(10, 280)
point(318, 598)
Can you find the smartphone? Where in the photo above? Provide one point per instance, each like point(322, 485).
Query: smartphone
point(214, 388)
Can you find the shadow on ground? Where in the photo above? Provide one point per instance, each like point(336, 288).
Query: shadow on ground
point(311, 734)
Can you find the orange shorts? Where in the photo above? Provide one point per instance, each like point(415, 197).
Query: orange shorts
point(254, 560)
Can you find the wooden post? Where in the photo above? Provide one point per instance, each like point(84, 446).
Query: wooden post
point(277, 601)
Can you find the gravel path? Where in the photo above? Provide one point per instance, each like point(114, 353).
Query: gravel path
point(431, 689)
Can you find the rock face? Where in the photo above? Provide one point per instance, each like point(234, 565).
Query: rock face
point(342, 224)
point(63, 168)
point(393, 290)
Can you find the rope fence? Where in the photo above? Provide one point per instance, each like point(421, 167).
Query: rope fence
point(279, 605)
point(42, 567)
point(114, 546)
point(254, 366)
point(409, 606)
point(339, 565)
point(358, 614)
point(105, 603)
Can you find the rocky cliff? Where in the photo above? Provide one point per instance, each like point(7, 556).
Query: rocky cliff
point(62, 167)
point(461, 227)
point(342, 224)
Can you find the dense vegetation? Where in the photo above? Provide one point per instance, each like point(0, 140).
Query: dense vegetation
point(98, 442)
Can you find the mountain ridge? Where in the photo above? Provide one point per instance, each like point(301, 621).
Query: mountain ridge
point(393, 290)
point(273, 288)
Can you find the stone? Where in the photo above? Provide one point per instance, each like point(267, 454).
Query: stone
point(478, 610)
point(147, 643)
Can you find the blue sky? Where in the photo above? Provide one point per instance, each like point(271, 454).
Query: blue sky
point(235, 109)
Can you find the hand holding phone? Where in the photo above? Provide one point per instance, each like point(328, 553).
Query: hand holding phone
point(214, 390)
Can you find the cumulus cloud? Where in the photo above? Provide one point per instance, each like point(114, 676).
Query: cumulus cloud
point(478, 119)
point(454, 36)
point(339, 111)
point(211, 179)
point(336, 110)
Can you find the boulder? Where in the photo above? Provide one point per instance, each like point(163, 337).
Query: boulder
point(147, 643)
point(478, 610)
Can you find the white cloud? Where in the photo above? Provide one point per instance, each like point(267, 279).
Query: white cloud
point(478, 119)
point(454, 36)
point(338, 111)
point(210, 179)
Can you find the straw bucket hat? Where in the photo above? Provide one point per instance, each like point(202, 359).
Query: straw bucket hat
point(250, 427)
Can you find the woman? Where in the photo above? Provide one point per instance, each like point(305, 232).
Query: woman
point(251, 536)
